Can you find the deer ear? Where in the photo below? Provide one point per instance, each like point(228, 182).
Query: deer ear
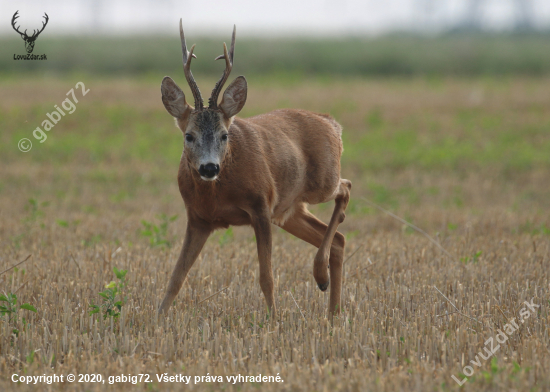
point(234, 97)
point(174, 99)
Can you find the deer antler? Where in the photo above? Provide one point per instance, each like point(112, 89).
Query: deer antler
point(213, 101)
point(35, 35)
point(187, 56)
point(15, 16)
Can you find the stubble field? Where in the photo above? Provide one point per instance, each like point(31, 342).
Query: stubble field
point(466, 160)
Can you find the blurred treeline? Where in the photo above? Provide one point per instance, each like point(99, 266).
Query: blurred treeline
point(452, 54)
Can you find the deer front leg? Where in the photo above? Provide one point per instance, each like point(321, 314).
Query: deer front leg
point(262, 230)
point(195, 237)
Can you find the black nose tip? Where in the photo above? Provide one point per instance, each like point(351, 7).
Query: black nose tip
point(209, 170)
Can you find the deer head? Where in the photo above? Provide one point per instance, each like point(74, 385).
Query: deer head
point(206, 130)
point(29, 41)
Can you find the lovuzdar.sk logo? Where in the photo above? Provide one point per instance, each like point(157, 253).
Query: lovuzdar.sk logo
point(29, 40)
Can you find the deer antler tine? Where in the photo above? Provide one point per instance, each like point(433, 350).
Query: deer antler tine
point(224, 56)
point(187, 56)
point(232, 50)
point(190, 55)
point(184, 46)
point(184, 51)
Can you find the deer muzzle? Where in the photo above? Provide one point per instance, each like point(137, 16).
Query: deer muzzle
point(209, 171)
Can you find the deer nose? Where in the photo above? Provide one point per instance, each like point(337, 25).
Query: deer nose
point(209, 170)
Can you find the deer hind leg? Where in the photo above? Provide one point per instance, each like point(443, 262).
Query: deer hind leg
point(304, 225)
point(322, 258)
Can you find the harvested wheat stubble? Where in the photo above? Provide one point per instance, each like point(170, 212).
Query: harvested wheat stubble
point(395, 330)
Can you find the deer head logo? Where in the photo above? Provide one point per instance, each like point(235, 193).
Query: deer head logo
point(29, 41)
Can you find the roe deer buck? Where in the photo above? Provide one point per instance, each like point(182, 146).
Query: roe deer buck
point(256, 171)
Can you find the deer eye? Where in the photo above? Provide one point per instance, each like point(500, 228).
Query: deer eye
point(224, 137)
point(189, 138)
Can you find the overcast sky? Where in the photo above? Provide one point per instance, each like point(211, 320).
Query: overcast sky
point(257, 17)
